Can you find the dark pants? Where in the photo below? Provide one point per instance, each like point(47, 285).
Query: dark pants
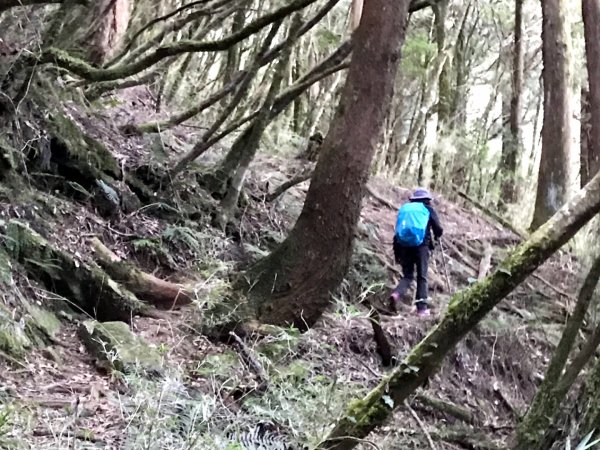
point(409, 258)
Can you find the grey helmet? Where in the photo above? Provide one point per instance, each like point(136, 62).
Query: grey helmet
point(420, 194)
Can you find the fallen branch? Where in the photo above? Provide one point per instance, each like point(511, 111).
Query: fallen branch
point(159, 292)
point(306, 174)
point(458, 412)
point(421, 425)
point(488, 212)
point(252, 363)
point(380, 199)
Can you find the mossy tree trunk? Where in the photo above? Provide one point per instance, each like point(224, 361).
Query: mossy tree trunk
point(591, 418)
point(465, 311)
point(293, 285)
point(511, 142)
point(553, 178)
point(551, 393)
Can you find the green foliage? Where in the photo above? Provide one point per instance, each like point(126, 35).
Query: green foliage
point(417, 53)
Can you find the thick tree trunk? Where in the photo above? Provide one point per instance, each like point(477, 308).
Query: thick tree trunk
point(549, 397)
point(591, 21)
point(465, 311)
point(293, 285)
point(511, 143)
point(553, 178)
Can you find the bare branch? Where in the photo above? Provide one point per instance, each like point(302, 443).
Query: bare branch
point(85, 70)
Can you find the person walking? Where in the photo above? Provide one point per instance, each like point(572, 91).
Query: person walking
point(417, 221)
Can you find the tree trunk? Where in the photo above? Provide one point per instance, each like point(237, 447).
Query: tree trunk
point(293, 285)
point(230, 201)
point(591, 418)
point(444, 86)
point(512, 145)
point(591, 22)
point(465, 310)
point(548, 397)
point(553, 178)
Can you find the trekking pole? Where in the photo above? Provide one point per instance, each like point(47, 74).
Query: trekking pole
point(444, 265)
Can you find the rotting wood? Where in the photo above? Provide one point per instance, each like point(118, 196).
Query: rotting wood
point(450, 409)
point(159, 292)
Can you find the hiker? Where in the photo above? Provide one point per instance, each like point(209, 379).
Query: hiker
point(412, 244)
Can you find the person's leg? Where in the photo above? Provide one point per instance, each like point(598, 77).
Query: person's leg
point(405, 257)
point(422, 258)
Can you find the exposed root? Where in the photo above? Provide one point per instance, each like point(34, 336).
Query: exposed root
point(159, 292)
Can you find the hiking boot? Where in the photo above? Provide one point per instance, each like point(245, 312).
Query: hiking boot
point(424, 312)
point(422, 308)
point(394, 300)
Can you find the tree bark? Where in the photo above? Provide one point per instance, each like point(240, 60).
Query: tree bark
point(591, 23)
point(511, 148)
point(293, 285)
point(553, 178)
point(548, 397)
point(465, 311)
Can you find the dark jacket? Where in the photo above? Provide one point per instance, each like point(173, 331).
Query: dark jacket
point(434, 225)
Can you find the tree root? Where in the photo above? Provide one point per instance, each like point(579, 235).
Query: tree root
point(147, 287)
point(86, 285)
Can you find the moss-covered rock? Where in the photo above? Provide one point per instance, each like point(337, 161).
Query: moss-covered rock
point(118, 348)
point(13, 338)
point(43, 320)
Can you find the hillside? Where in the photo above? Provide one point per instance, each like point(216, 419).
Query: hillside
point(61, 388)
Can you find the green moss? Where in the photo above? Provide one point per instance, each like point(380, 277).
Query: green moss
point(114, 344)
point(44, 320)
point(85, 284)
point(13, 339)
point(85, 154)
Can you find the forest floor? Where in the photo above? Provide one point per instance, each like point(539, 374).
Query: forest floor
point(58, 396)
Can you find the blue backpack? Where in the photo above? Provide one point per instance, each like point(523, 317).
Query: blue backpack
point(411, 224)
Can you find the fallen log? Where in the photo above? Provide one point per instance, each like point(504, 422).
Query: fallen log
point(450, 409)
point(491, 214)
point(85, 285)
point(147, 287)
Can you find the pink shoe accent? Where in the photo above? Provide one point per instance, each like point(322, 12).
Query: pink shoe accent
point(394, 296)
point(424, 312)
